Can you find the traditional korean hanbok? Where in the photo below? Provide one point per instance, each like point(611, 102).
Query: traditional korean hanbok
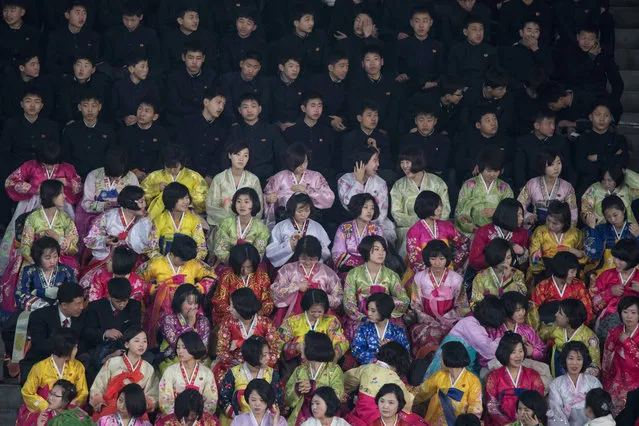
point(485, 234)
point(116, 420)
point(620, 366)
point(594, 195)
point(548, 291)
point(337, 421)
point(359, 285)
point(450, 399)
point(116, 373)
point(190, 178)
point(474, 197)
point(328, 374)
point(279, 251)
point(286, 288)
point(39, 383)
point(171, 420)
point(529, 335)
point(537, 194)
point(502, 391)
point(545, 244)
point(166, 228)
point(172, 327)
point(420, 234)
point(487, 282)
point(221, 191)
point(367, 337)
point(438, 304)
point(230, 233)
point(232, 402)
point(248, 419)
point(348, 186)
point(558, 337)
point(37, 290)
point(258, 281)
point(295, 327)
point(232, 335)
point(367, 380)
point(345, 251)
point(567, 400)
point(605, 303)
point(598, 243)
point(96, 285)
point(403, 195)
point(174, 381)
point(281, 183)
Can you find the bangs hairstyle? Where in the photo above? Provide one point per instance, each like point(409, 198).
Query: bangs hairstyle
point(536, 402)
point(328, 395)
point(318, 347)
point(383, 302)
point(173, 156)
point(545, 158)
point(496, 77)
point(625, 303)
point(184, 247)
point(263, 389)
point(506, 214)
point(237, 147)
point(212, 93)
point(309, 246)
point(575, 310)
point(357, 202)
point(364, 155)
point(490, 311)
point(150, 102)
point(193, 47)
point(455, 355)
point(563, 262)
point(436, 248)
point(40, 245)
point(62, 342)
point(69, 391)
point(296, 201)
point(314, 296)
point(415, 156)
point(395, 354)
point(296, 154)
point(129, 195)
point(69, 291)
point(561, 211)
point(372, 49)
point(134, 399)
point(490, 159)
point(426, 203)
point(131, 332)
point(389, 388)
point(240, 253)
point(581, 349)
point(49, 190)
point(173, 192)
point(616, 174)
point(116, 163)
point(614, 202)
point(245, 303)
point(309, 95)
point(449, 85)
point(495, 252)
point(481, 111)
point(119, 288)
point(193, 344)
point(335, 56)
point(123, 260)
point(252, 350)
point(366, 245)
point(48, 153)
point(513, 301)
point(627, 251)
point(543, 114)
point(507, 346)
point(249, 97)
point(255, 199)
point(187, 402)
point(182, 293)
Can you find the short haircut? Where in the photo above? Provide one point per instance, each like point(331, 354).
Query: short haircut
point(116, 163)
point(255, 199)
point(133, 8)
point(49, 190)
point(625, 303)
point(357, 202)
point(495, 251)
point(563, 262)
point(627, 251)
point(372, 50)
point(536, 402)
point(467, 419)
point(248, 96)
point(426, 203)
point(134, 399)
point(496, 77)
point(69, 291)
point(173, 155)
point(449, 85)
point(48, 153)
point(173, 192)
point(297, 200)
point(423, 8)
point(616, 173)
point(455, 355)
point(395, 354)
point(263, 389)
point(543, 114)
point(128, 197)
point(32, 91)
point(550, 92)
point(134, 59)
point(69, 391)
point(119, 288)
point(389, 388)
point(123, 260)
point(580, 348)
point(545, 158)
point(236, 147)
point(240, 253)
point(152, 102)
point(212, 93)
point(248, 13)
point(328, 395)
point(416, 157)
point(90, 95)
point(589, 27)
point(507, 346)
point(245, 303)
point(72, 4)
point(599, 401)
point(301, 10)
point(483, 110)
point(614, 202)
point(384, 303)
point(506, 214)
point(310, 95)
point(436, 248)
point(318, 347)
point(289, 56)
point(23, 58)
point(490, 311)
point(40, 245)
point(513, 301)
point(314, 296)
point(364, 155)
point(187, 402)
point(308, 245)
point(490, 159)
point(182, 293)
point(560, 210)
point(335, 56)
point(366, 245)
point(426, 109)
point(296, 154)
point(367, 105)
point(62, 342)
point(193, 344)
point(193, 47)
point(575, 311)
point(184, 247)
point(252, 350)
point(472, 19)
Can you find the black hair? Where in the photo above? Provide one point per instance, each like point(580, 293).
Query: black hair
point(616, 173)
point(495, 252)
point(48, 153)
point(116, 163)
point(69, 391)
point(255, 199)
point(182, 293)
point(472, 19)
point(529, 19)
point(75, 3)
point(423, 8)
point(506, 214)
point(90, 95)
point(490, 159)
point(23, 58)
point(627, 251)
point(187, 402)
point(455, 355)
point(364, 155)
point(119, 288)
point(560, 210)
point(367, 104)
point(490, 311)
point(614, 202)
point(173, 192)
point(193, 344)
point(513, 301)
point(236, 147)
point(415, 155)
point(245, 303)
point(328, 395)
point(467, 420)
point(372, 49)
point(496, 77)
point(131, 332)
point(545, 158)
point(248, 96)
point(240, 253)
point(580, 348)
point(252, 350)
point(128, 197)
point(50, 189)
point(213, 92)
point(507, 346)
point(134, 59)
point(42, 244)
point(296, 154)
point(536, 402)
point(308, 245)
point(426, 203)
point(309, 95)
point(318, 347)
point(366, 245)
point(152, 102)
point(123, 260)
point(263, 389)
point(314, 296)
point(289, 56)
point(575, 311)
point(194, 47)
point(483, 110)
point(184, 247)
point(589, 27)
point(625, 303)
point(599, 401)
point(335, 56)
point(62, 342)
point(172, 155)
point(426, 108)
point(436, 248)
point(544, 113)
point(134, 399)
point(248, 13)
point(300, 11)
point(384, 303)
point(133, 8)
point(563, 262)
point(395, 354)
point(449, 85)
point(296, 200)
point(357, 202)
point(395, 390)
point(69, 291)
point(550, 92)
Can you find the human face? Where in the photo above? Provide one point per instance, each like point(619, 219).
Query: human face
point(467, 5)
point(140, 70)
point(182, 354)
point(358, 24)
point(250, 110)
point(175, 170)
point(141, 203)
point(302, 212)
point(121, 404)
point(388, 405)
point(488, 125)
point(508, 260)
point(137, 345)
point(372, 64)
point(55, 397)
point(490, 175)
point(572, 274)
point(520, 315)
point(77, 17)
point(177, 261)
point(520, 218)
point(498, 92)
point(318, 407)
point(524, 412)
point(630, 317)
point(368, 211)
point(438, 212)
point(302, 167)
point(32, 105)
point(215, 106)
point(190, 21)
point(131, 22)
point(12, 14)
point(378, 253)
point(372, 165)
point(244, 26)
point(190, 304)
point(545, 127)
point(239, 161)
point(517, 356)
point(305, 24)
point(620, 265)
point(250, 68)
point(425, 123)
point(368, 119)
point(265, 357)
point(183, 204)
point(608, 182)
point(74, 308)
point(615, 217)
point(586, 40)
point(59, 200)
point(437, 262)
point(290, 69)
point(530, 30)
point(119, 304)
point(340, 69)
point(561, 319)
point(454, 98)
point(313, 109)
point(406, 166)
point(90, 109)
point(554, 170)
point(601, 118)
point(49, 259)
point(315, 312)
point(421, 24)
point(574, 362)
point(474, 33)
point(146, 115)
point(193, 61)
point(247, 268)
point(373, 314)
point(555, 224)
point(31, 69)
point(257, 404)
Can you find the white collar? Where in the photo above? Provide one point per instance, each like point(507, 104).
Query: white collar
point(63, 317)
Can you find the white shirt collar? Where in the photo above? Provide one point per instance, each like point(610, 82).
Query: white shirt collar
point(63, 317)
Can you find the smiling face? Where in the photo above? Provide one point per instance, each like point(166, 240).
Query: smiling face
point(55, 398)
point(555, 224)
point(245, 26)
point(508, 260)
point(137, 345)
point(244, 205)
point(530, 30)
point(490, 175)
point(340, 69)
point(182, 205)
point(315, 312)
point(524, 412)
point(574, 362)
point(372, 313)
point(140, 70)
point(12, 14)
point(239, 159)
point(290, 69)
point(520, 315)
point(308, 261)
point(190, 304)
point(247, 268)
point(517, 356)
point(586, 40)
point(372, 165)
point(620, 265)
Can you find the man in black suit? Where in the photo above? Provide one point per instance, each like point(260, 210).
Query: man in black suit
point(44, 321)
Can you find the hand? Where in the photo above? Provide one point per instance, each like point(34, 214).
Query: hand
point(130, 120)
point(43, 418)
point(293, 241)
point(276, 414)
point(519, 250)
point(488, 212)
point(339, 35)
point(360, 172)
point(284, 126)
point(619, 152)
point(304, 386)
point(528, 420)
point(22, 187)
point(429, 84)
point(303, 286)
point(529, 349)
point(368, 28)
point(402, 77)
point(591, 220)
point(113, 334)
point(112, 241)
point(476, 170)
point(578, 253)
point(372, 142)
point(271, 198)
point(567, 123)
point(227, 202)
point(383, 341)
point(634, 229)
point(402, 36)
point(617, 290)
point(163, 185)
point(51, 233)
point(190, 317)
point(593, 157)
point(300, 348)
point(595, 49)
point(337, 123)
point(531, 43)
point(300, 187)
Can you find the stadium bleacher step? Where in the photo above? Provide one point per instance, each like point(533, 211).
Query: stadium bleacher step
point(9, 403)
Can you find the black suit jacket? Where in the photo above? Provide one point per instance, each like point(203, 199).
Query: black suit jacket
point(42, 323)
point(100, 318)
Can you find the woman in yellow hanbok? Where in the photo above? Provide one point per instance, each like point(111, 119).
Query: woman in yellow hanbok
point(614, 181)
